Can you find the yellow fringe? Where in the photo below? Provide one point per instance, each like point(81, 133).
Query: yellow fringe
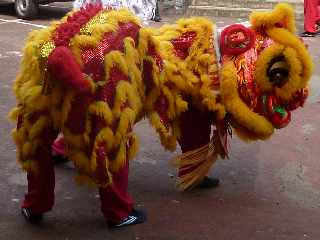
point(303, 61)
point(180, 73)
point(253, 122)
point(262, 65)
point(133, 145)
point(102, 110)
point(282, 13)
point(198, 163)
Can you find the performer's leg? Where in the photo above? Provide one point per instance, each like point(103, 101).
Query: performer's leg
point(195, 127)
point(117, 204)
point(310, 17)
point(157, 17)
point(40, 196)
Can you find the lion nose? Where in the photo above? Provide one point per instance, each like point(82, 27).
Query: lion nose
point(278, 71)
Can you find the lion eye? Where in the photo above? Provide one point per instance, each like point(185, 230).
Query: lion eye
point(278, 71)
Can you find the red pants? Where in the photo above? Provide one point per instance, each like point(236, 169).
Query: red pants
point(116, 203)
point(311, 15)
point(195, 127)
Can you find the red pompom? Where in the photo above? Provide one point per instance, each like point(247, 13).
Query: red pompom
point(272, 108)
point(279, 121)
point(64, 67)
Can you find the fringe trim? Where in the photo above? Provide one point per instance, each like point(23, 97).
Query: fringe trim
point(197, 163)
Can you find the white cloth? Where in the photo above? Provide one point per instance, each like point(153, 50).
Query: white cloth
point(144, 9)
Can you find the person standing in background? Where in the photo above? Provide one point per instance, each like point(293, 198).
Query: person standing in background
point(311, 18)
point(156, 16)
point(145, 10)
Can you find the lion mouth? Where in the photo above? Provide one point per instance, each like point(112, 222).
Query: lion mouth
point(275, 111)
point(273, 108)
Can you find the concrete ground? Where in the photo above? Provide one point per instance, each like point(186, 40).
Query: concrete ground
point(270, 190)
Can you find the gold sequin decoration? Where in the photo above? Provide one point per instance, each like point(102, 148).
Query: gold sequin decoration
point(100, 18)
point(46, 49)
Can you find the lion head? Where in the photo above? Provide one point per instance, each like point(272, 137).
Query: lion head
point(265, 73)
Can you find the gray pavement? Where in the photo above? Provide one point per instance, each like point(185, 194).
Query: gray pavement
point(270, 190)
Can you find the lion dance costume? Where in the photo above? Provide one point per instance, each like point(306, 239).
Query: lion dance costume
point(97, 72)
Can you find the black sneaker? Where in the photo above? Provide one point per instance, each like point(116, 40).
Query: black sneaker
point(208, 182)
point(135, 217)
point(31, 217)
point(308, 34)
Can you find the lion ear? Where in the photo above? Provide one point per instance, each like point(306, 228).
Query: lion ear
point(281, 17)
